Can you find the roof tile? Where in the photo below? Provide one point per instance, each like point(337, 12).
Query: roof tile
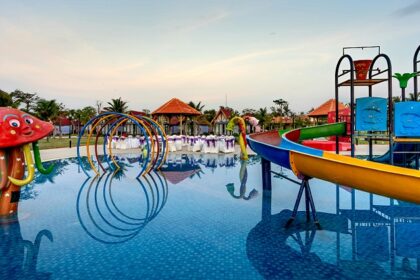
point(323, 110)
point(176, 106)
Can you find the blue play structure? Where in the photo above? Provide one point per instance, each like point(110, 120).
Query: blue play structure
point(371, 116)
point(407, 119)
point(406, 135)
point(378, 118)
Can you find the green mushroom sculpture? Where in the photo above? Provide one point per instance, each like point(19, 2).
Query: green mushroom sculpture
point(18, 130)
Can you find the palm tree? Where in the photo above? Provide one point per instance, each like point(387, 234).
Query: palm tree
point(263, 116)
point(197, 106)
point(47, 110)
point(117, 105)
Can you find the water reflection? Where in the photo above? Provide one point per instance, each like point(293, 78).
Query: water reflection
point(103, 218)
point(19, 257)
point(381, 242)
point(178, 168)
point(243, 177)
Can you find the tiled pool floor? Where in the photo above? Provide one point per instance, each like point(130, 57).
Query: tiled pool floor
point(197, 220)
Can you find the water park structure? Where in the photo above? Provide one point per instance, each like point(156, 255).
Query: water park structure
point(153, 155)
point(18, 131)
point(391, 176)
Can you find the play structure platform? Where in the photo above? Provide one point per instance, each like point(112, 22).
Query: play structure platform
point(395, 174)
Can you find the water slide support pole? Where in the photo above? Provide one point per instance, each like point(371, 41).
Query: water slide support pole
point(266, 181)
point(309, 202)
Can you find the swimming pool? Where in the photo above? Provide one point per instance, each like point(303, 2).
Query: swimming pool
point(196, 219)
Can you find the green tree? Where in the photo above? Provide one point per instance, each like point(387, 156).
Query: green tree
point(210, 114)
point(47, 110)
point(411, 97)
point(264, 117)
point(87, 113)
point(282, 109)
point(26, 101)
point(117, 105)
point(396, 99)
point(248, 111)
point(199, 107)
point(5, 99)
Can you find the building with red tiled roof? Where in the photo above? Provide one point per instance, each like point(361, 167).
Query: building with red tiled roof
point(176, 117)
point(325, 108)
point(176, 107)
point(137, 113)
point(64, 126)
point(321, 113)
point(281, 122)
point(221, 120)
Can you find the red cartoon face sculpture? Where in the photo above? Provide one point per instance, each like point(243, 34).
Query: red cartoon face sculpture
point(18, 128)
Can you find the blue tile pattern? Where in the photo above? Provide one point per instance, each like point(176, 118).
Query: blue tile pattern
point(204, 217)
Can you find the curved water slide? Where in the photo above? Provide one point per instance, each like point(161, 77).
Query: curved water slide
point(286, 151)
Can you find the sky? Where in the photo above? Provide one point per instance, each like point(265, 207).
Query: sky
point(241, 53)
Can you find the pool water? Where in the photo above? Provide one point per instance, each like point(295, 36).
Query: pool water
point(203, 217)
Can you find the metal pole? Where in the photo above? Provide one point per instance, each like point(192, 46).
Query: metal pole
point(415, 62)
point(266, 197)
point(415, 70)
point(370, 132)
point(390, 107)
point(337, 68)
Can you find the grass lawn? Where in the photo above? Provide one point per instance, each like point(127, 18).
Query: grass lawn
point(56, 142)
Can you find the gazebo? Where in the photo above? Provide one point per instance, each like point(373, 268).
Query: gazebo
point(174, 115)
point(321, 113)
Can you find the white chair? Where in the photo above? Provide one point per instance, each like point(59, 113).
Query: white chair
point(114, 142)
point(171, 144)
point(222, 145)
point(214, 147)
point(129, 142)
point(184, 140)
point(142, 142)
point(135, 142)
point(178, 143)
point(206, 145)
point(197, 143)
point(122, 143)
point(230, 144)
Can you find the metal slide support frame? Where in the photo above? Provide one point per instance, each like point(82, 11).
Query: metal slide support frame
point(266, 181)
point(416, 61)
point(309, 204)
point(390, 104)
point(350, 60)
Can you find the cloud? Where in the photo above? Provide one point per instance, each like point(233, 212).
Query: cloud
point(409, 10)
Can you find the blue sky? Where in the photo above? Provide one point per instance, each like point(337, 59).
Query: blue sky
point(149, 51)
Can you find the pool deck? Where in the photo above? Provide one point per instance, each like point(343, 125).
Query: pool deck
point(53, 154)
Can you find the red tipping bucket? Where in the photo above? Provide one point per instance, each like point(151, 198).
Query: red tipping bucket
point(362, 68)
